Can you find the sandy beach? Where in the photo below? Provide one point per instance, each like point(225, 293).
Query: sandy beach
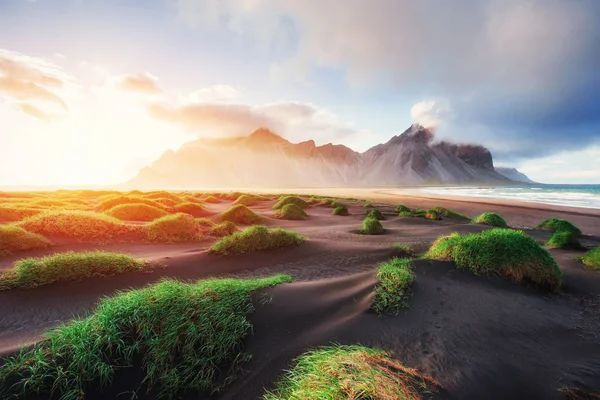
point(479, 336)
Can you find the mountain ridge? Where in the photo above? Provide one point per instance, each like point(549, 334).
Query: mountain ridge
point(264, 158)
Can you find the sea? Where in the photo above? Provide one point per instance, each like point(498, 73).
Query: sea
point(585, 196)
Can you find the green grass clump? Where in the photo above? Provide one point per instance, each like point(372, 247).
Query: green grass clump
point(113, 201)
point(223, 229)
point(205, 223)
point(371, 226)
point(563, 240)
point(291, 212)
point(492, 219)
point(591, 258)
point(245, 200)
point(341, 210)
point(433, 215)
point(136, 212)
point(178, 227)
point(444, 212)
point(394, 279)
point(62, 267)
point(194, 209)
point(256, 238)
point(368, 205)
point(14, 238)
point(374, 213)
point(351, 372)
point(82, 226)
point(312, 200)
point(502, 252)
point(405, 249)
point(211, 199)
point(290, 200)
point(10, 213)
point(184, 337)
point(403, 209)
point(556, 224)
point(240, 214)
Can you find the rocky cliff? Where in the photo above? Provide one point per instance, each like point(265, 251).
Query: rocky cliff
point(265, 159)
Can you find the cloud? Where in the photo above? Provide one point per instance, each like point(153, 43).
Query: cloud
point(215, 93)
point(293, 120)
point(430, 114)
point(516, 68)
point(140, 83)
point(29, 79)
point(34, 111)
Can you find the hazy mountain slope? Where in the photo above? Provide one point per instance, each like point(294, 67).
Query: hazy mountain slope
point(266, 159)
point(513, 174)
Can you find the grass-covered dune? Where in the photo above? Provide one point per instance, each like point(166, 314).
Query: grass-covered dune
point(432, 215)
point(394, 279)
point(245, 199)
point(256, 238)
point(211, 199)
point(11, 213)
point(14, 238)
point(351, 372)
point(291, 212)
point(375, 213)
point(223, 229)
point(136, 212)
point(564, 240)
point(444, 212)
point(178, 227)
point(591, 258)
point(502, 252)
point(161, 194)
point(371, 226)
point(557, 224)
point(490, 218)
point(341, 210)
point(176, 337)
point(290, 200)
point(240, 214)
point(113, 201)
point(61, 267)
point(192, 208)
point(82, 226)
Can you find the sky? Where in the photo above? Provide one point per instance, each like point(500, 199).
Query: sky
point(92, 91)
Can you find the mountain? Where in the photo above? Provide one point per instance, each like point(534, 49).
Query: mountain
point(514, 175)
point(264, 159)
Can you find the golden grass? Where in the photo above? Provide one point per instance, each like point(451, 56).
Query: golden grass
point(12, 213)
point(14, 238)
point(178, 227)
point(136, 212)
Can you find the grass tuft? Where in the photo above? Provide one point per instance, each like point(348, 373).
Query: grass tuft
point(240, 214)
point(82, 226)
point(178, 227)
point(223, 229)
point(502, 252)
point(375, 213)
point(564, 240)
point(11, 213)
point(256, 238)
point(492, 219)
point(368, 205)
point(113, 201)
point(405, 249)
point(290, 200)
point(62, 267)
point(184, 337)
point(403, 209)
point(291, 212)
point(192, 208)
point(14, 238)
point(556, 224)
point(341, 210)
point(245, 200)
point(392, 290)
point(591, 258)
point(432, 215)
point(136, 212)
point(211, 199)
point(444, 212)
point(351, 372)
point(371, 226)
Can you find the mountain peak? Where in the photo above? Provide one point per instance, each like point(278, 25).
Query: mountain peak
point(265, 135)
